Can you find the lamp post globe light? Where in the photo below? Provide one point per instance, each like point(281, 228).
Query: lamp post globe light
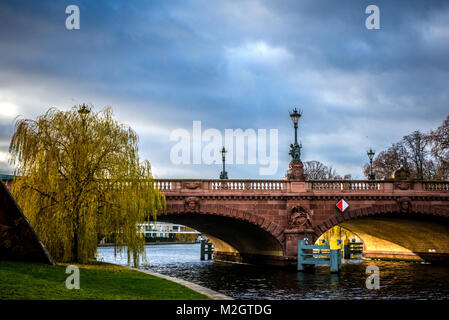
point(371, 154)
point(295, 115)
point(223, 174)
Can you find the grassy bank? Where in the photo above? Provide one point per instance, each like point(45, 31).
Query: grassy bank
point(20, 280)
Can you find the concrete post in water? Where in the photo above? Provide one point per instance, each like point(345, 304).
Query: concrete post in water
point(346, 249)
point(335, 255)
point(334, 263)
point(209, 250)
point(300, 255)
point(206, 249)
point(203, 247)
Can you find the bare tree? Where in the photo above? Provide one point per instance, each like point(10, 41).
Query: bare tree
point(388, 161)
point(439, 148)
point(416, 145)
point(426, 156)
point(316, 170)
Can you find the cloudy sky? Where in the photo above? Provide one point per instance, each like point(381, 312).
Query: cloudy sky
point(232, 64)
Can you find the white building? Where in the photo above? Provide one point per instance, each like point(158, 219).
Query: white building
point(164, 229)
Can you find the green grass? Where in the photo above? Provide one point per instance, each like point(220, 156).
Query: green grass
point(23, 280)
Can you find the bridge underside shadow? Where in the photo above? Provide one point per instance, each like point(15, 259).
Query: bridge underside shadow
point(234, 240)
point(411, 237)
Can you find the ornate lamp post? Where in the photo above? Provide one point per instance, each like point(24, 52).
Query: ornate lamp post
point(83, 111)
point(295, 149)
point(223, 174)
point(371, 154)
point(296, 168)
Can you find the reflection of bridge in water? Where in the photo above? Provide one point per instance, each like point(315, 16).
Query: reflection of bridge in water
point(262, 220)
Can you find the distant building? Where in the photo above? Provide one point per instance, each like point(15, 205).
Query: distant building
point(165, 231)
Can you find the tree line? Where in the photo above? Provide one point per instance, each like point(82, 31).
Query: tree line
point(316, 170)
point(424, 155)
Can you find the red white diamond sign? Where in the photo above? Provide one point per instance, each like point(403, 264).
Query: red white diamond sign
point(342, 205)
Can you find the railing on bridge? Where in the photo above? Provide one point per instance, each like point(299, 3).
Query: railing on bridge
point(358, 185)
point(436, 185)
point(270, 186)
point(164, 185)
point(220, 185)
point(246, 185)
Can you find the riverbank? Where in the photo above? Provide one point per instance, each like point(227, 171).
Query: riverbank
point(35, 281)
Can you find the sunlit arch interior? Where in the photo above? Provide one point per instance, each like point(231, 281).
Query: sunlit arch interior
point(399, 236)
point(233, 239)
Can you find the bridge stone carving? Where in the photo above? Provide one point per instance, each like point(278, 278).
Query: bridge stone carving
point(262, 220)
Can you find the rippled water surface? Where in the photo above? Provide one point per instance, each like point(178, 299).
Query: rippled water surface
point(398, 280)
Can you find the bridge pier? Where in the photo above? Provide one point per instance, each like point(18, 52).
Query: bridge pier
point(292, 236)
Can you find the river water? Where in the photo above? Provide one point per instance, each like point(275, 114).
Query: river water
point(398, 280)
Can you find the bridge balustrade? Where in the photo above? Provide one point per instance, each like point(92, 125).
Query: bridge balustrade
point(164, 185)
point(364, 185)
point(246, 185)
point(436, 186)
point(272, 185)
point(326, 185)
point(356, 185)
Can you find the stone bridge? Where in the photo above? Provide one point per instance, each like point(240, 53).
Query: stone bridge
point(260, 221)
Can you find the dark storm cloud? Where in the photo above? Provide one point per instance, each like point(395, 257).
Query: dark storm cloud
point(236, 64)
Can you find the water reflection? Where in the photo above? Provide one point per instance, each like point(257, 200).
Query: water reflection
point(397, 280)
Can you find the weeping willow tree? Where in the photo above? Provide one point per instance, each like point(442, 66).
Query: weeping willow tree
point(79, 179)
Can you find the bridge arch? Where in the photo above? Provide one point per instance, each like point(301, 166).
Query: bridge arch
point(237, 234)
point(412, 231)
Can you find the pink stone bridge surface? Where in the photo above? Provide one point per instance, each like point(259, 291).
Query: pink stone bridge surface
point(260, 221)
